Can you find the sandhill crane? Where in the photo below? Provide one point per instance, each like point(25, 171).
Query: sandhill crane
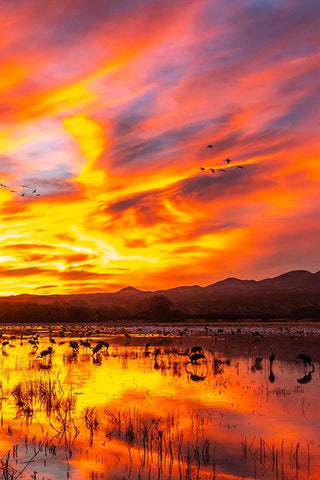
point(97, 348)
point(196, 349)
point(45, 353)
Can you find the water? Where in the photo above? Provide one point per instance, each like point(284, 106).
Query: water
point(144, 408)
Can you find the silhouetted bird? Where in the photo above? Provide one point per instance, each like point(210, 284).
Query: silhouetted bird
point(34, 191)
point(306, 358)
point(240, 166)
point(196, 356)
point(202, 168)
point(212, 170)
point(221, 170)
point(52, 340)
point(85, 344)
point(97, 348)
point(44, 353)
point(209, 146)
point(271, 374)
point(74, 345)
point(196, 349)
point(227, 160)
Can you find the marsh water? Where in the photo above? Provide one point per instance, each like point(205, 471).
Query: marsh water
point(160, 403)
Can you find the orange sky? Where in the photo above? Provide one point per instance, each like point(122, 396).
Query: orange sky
point(106, 111)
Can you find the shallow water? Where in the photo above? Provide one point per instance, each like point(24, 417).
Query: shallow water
point(144, 408)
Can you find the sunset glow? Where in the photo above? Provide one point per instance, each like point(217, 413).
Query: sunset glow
point(107, 109)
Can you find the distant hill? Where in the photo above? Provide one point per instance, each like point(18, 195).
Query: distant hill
point(294, 294)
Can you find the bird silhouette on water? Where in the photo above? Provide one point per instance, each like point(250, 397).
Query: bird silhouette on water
point(271, 374)
point(307, 362)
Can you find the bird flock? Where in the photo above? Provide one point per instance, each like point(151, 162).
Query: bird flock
point(26, 191)
point(214, 170)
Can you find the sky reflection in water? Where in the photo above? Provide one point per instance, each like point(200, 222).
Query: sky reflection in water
point(143, 409)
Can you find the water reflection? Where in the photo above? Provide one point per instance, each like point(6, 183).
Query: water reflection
point(212, 406)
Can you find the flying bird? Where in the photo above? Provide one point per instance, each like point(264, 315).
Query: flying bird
point(202, 168)
point(212, 170)
point(227, 160)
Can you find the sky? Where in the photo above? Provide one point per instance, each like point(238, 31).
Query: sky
point(106, 112)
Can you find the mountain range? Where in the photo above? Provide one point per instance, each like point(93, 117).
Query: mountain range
point(294, 294)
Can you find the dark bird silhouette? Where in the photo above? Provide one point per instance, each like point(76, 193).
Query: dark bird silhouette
point(271, 374)
point(97, 348)
point(126, 334)
point(209, 146)
point(196, 356)
point(44, 353)
point(306, 359)
point(2, 185)
point(74, 345)
point(4, 344)
point(85, 344)
point(52, 340)
point(202, 168)
point(212, 170)
point(227, 160)
point(240, 166)
point(34, 191)
point(23, 194)
point(221, 170)
point(196, 349)
point(24, 186)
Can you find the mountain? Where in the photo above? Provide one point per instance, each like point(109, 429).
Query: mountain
point(294, 294)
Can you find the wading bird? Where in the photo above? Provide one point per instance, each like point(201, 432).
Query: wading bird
point(97, 348)
point(306, 359)
point(44, 353)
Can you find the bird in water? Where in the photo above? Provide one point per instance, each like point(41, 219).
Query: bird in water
point(212, 170)
point(307, 362)
point(271, 374)
point(202, 168)
point(227, 160)
point(209, 146)
point(306, 359)
point(240, 166)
